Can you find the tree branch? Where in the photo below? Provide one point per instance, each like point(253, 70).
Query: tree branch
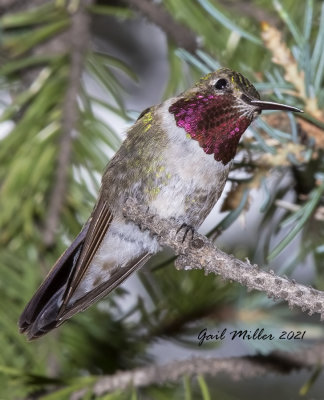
point(79, 38)
point(9, 6)
point(235, 367)
point(181, 35)
point(200, 253)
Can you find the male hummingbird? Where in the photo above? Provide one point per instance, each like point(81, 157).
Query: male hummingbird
point(175, 160)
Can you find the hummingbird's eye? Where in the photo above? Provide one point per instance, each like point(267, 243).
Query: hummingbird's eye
point(221, 84)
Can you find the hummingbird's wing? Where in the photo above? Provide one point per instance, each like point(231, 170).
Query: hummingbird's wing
point(99, 224)
point(51, 305)
point(103, 289)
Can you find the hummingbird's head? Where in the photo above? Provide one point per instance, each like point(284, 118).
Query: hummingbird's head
point(218, 110)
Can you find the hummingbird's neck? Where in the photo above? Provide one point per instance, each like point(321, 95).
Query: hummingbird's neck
point(217, 122)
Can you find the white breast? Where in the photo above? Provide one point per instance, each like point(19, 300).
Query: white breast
point(190, 167)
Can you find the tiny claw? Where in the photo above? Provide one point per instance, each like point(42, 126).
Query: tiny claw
point(187, 229)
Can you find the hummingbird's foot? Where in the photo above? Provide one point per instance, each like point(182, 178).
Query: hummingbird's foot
point(139, 224)
point(187, 228)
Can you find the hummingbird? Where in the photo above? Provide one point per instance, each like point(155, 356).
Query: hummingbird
point(175, 160)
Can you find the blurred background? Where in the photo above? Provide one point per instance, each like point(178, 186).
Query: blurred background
point(74, 75)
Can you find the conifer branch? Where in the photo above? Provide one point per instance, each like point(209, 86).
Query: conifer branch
point(200, 253)
point(235, 367)
point(181, 35)
point(79, 38)
point(9, 6)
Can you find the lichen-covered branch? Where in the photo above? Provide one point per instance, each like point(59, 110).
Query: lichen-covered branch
point(235, 367)
point(200, 253)
point(79, 38)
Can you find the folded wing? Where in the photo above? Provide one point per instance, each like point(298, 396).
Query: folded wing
point(55, 301)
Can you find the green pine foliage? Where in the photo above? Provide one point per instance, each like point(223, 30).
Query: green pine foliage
point(281, 161)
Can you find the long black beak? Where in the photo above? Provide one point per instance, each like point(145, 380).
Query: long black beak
point(270, 105)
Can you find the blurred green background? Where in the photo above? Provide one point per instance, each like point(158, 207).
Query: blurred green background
point(99, 64)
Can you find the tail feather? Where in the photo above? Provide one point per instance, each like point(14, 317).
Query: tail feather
point(47, 319)
point(39, 316)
